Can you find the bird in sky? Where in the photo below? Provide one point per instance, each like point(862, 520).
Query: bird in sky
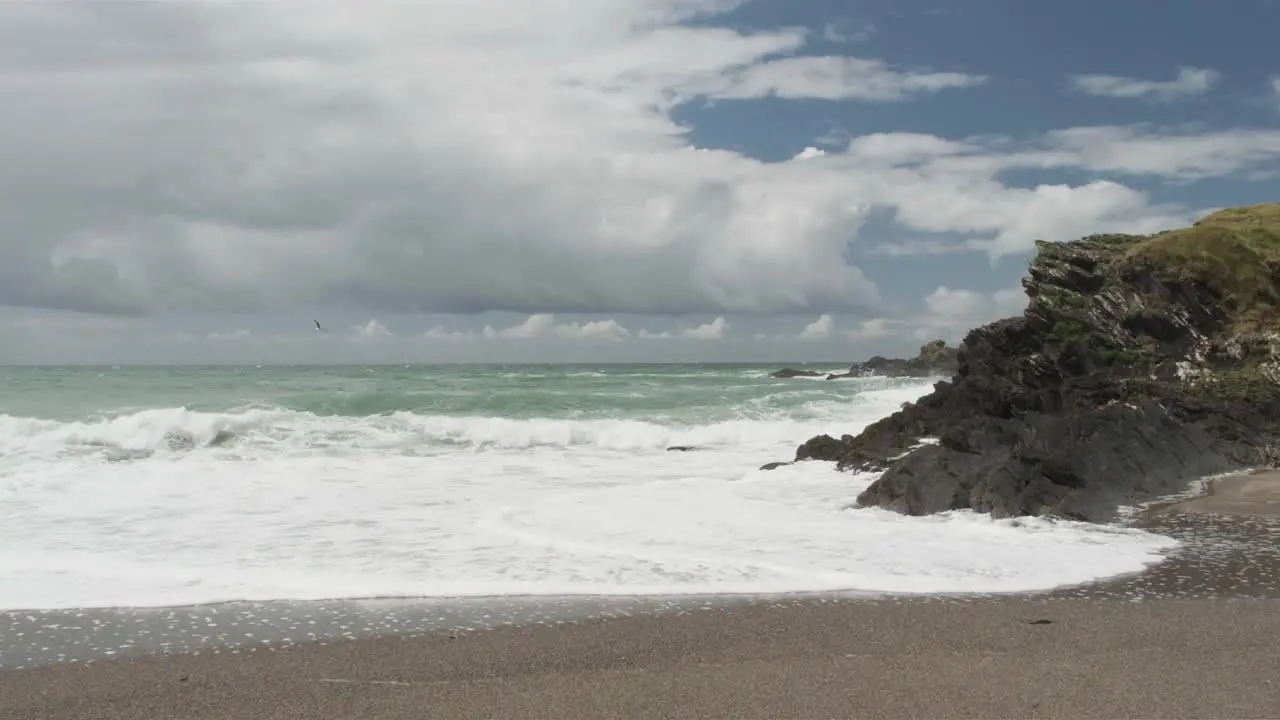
point(317, 322)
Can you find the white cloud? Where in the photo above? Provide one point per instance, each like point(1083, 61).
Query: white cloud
point(846, 32)
point(714, 330)
point(1139, 150)
point(282, 155)
point(644, 334)
point(873, 329)
point(951, 313)
point(1190, 81)
point(539, 326)
point(595, 329)
point(819, 329)
point(835, 78)
point(370, 331)
point(441, 156)
point(947, 313)
point(904, 148)
point(937, 185)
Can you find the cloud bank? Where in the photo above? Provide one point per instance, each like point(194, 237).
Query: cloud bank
point(447, 157)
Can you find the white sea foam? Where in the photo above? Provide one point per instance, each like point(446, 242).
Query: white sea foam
point(165, 507)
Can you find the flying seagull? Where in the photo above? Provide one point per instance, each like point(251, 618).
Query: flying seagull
point(317, 322)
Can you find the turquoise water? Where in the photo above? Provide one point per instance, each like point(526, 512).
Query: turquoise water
point(688, 393)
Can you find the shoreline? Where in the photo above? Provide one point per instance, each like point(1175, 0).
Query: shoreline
point(1224, 551)
point(1250, 492)
point(1117, 646)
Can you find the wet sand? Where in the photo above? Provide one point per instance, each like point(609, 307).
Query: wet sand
point(1192, 637)
point(1255, 493)
point(918, 658)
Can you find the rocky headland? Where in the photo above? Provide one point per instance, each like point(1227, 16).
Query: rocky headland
point(936, 359)
point(1140, 364)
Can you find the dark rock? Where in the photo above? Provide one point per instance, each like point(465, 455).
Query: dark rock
point(681, 448)
point(822, 447)
point(792, 372)
point(773, 465)
point(936, 359)
point(1140, 363)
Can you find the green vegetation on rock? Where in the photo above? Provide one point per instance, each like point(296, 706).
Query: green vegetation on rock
point(1139, 363)
point(1062, 297)
point(1234, 253)
point(1208, 294)
point(1249, 383)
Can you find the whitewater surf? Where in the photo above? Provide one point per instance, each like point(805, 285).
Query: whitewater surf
point(152, 487)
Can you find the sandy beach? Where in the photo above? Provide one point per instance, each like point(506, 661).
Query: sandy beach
point(1191, 637)
point(998, 658)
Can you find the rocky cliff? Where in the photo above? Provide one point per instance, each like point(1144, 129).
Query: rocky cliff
point(1140, 364)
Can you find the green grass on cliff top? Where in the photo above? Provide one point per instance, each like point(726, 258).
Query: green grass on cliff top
point(1236, 252)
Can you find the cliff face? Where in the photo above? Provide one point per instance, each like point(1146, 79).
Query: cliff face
point(1140, 363)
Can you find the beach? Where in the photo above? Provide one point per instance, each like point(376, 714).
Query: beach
point(464, 542)
point(994, 658)
point(1191, 637)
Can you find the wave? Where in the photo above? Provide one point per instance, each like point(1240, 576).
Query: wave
point(169, 431)
point(419, 504)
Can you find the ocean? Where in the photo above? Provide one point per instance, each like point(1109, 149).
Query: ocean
point(164, 486)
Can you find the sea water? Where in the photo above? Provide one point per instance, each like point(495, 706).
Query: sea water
point(141, 486)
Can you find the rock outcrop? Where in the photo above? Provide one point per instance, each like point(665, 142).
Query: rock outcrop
point(936, 359)
point(792, 372)
point(1140, 364)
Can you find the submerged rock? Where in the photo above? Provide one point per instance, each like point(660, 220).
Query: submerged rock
point(1139, 364)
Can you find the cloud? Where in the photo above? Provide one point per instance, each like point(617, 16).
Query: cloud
point(446, 157)
point(847, 32)
point(835, 78)
point(595, 329)
point(714, 330)
point(873, 329)
point(945, 313)
point(538, 326)
point(371, 331)
point(951, 313)
point(234, 336)
point(1189, 82)
point(1140, 150)
point(819, 329)
point(940, 186)
point(904, 148)
point(267, 155)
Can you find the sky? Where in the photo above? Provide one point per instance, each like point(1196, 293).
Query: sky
point(197, 181)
